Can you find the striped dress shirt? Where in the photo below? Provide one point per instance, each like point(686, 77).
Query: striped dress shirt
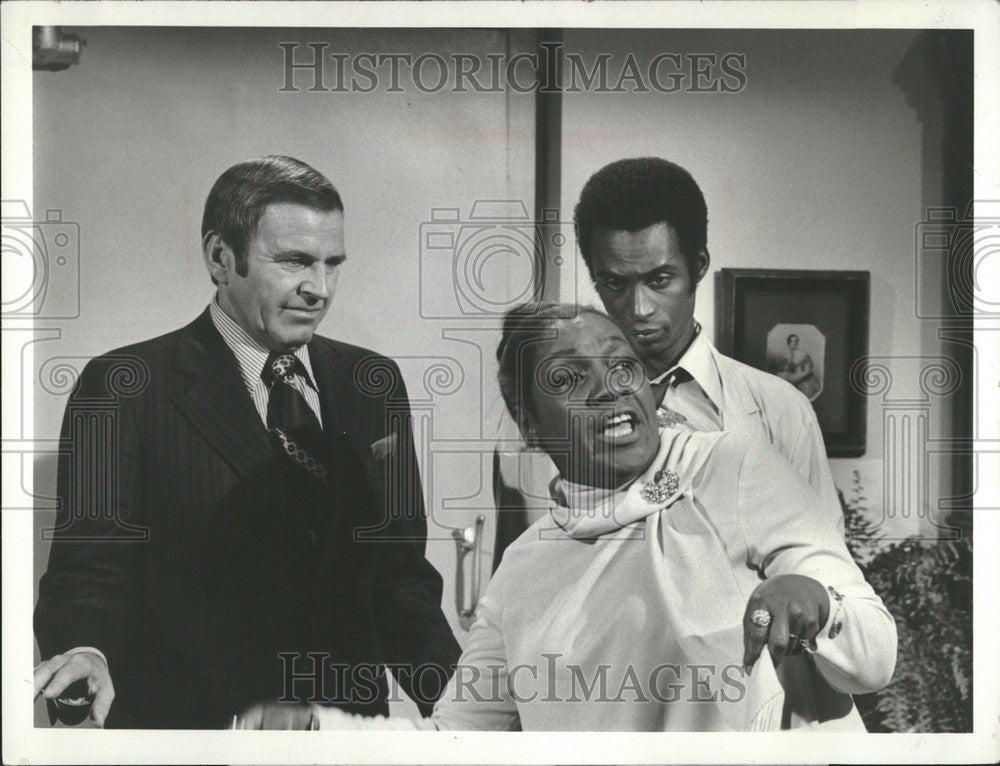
point(252, 357)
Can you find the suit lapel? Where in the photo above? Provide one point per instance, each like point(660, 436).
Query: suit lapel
point(740, 411)
point(349, 482)
point(214, 397)
point(338, 396)
point(332, 385)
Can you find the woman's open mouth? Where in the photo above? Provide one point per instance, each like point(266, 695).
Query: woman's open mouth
point(619, 428)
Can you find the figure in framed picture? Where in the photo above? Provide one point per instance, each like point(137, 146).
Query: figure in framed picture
point(796, 353)
point(809, 328)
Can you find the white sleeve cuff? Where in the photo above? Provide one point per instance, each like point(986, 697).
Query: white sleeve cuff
point(330, 718)
point(834, 620)
point(92, 650)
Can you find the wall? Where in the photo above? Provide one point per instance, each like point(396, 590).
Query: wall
point(818, 163)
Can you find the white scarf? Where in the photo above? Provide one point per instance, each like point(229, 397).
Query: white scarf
point(586, 512)
point(590, 512)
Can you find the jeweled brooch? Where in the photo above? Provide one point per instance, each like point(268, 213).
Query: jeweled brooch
point(664, 484)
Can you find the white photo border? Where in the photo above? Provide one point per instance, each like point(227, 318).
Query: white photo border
point(24, 743)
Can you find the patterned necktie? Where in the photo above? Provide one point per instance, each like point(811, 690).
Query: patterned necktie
point(290, 419)
point(666, 417)
point(660, 389)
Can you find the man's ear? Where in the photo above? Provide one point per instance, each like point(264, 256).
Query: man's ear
point(219, 258)
point(702, 262)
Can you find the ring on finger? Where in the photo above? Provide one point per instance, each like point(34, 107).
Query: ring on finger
point(761, 618)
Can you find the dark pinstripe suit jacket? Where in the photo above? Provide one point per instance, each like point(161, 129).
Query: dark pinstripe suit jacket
point(183, 551)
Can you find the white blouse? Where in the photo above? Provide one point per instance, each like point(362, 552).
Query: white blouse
point(620, 614)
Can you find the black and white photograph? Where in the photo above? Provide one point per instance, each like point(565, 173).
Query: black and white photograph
point(809, 328)
point(798, 357)
point(503, 382)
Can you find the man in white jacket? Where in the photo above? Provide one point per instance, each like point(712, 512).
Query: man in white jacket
point(642, 227)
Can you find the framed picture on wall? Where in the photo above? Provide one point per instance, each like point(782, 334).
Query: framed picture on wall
point(808, 327)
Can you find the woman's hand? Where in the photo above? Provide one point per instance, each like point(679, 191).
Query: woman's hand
point(785, 612)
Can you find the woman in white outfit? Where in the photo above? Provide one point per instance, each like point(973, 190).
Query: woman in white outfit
point(670, 560)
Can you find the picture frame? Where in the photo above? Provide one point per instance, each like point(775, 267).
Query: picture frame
point(808, 327)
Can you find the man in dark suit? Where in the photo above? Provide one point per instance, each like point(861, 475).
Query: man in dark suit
point(241, 514)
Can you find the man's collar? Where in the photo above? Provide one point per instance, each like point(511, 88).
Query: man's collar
point(249, 353)
point(697, 361)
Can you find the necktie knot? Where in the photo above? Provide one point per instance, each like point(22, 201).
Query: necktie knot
point(660, 388)
point(280, 367)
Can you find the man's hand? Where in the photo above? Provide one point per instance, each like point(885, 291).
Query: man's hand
point(54, 675)
point(277, 715)
point(785, 612)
